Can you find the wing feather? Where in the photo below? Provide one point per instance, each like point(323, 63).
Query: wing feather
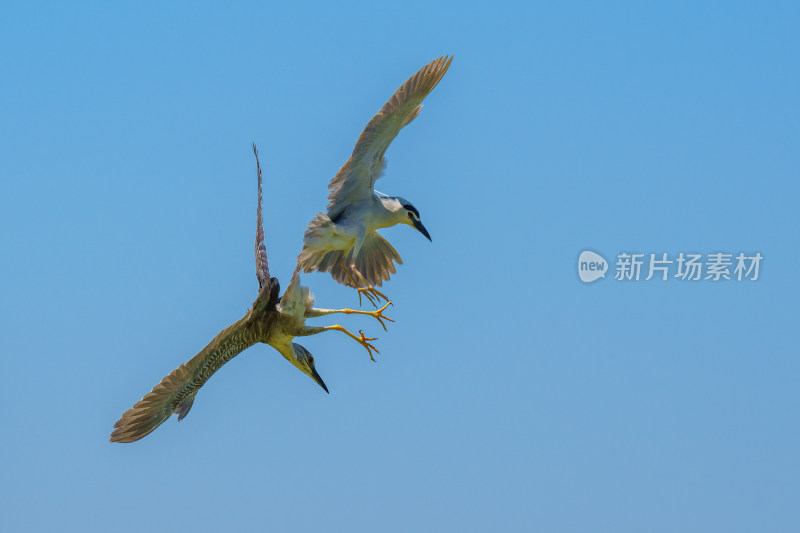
point(356, 179)
point(262, 265)
point(176, 391)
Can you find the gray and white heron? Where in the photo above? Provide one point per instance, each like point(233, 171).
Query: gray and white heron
point(344, 240)
point(270, 320)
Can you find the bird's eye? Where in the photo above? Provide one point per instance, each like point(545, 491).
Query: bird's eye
point(310, 358)
point(411, 215)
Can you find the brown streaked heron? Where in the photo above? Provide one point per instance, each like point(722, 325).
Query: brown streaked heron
point(344, 240)
point(271, 320)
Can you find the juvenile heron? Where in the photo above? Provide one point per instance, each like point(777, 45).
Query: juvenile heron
point(343, 241)
point(269, 320)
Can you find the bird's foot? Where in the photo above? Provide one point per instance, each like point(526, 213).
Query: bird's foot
point(360, 338)
point(377, 314)
point(372, 294)
point(363, 341)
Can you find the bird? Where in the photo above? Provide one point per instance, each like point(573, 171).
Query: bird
point(344, 241)
point(271, 320)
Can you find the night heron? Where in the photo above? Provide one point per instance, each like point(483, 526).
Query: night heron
point(270, 320)
point(343, 241)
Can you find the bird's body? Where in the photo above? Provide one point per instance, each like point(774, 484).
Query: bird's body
point(344, 240)
point(270, 320)
point(331, 245)
point(176, 392)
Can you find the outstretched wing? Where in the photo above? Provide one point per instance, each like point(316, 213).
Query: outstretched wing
point(262, 265)
point(356, 179)
point(176, 391)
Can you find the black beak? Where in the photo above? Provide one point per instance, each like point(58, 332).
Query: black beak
point(318, 379)
point(421, 228)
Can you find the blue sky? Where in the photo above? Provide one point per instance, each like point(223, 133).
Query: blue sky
point(508, 396)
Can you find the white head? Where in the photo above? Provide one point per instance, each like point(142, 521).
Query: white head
point(405, 213)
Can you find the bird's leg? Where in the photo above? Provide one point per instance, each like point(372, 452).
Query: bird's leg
point(367, 294)
point(364, 286)
point(369, 291)
point(361, 283)
point(377, 314)
point(361, 339)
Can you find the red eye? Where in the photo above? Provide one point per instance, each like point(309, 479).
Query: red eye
point(411, 215)
point(310, 358)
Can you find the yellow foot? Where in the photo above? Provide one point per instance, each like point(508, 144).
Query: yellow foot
point(377, 314)
point(372, 294)
point(380, 317)
point(363, 342)
point(361, 339)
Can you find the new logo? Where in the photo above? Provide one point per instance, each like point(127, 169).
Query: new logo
point(591, 266)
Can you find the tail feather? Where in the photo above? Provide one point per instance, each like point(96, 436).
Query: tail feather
point(329, 260)
point(374, 264)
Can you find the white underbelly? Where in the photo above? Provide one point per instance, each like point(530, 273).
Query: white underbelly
point(334, 238)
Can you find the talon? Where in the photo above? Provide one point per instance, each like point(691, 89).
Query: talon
point(367, 295)
point(363, 341)
point(380, 316)
point(372, 294)
point(377, 293)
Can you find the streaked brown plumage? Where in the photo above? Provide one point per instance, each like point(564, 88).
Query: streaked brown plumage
point(176, 391)
point(270, 320)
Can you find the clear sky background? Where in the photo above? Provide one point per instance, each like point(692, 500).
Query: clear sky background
point(508, 396)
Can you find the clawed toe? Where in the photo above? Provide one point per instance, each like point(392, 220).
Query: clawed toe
point(372, 294)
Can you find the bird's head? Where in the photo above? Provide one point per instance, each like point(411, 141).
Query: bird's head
point(305, 362)
point(407, 214)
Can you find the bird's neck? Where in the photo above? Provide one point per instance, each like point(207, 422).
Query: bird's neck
point(389, 215)
point(283, 344)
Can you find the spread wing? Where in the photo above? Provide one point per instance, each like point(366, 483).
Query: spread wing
point(176, 392)
point(356, 179)
point(262, 265)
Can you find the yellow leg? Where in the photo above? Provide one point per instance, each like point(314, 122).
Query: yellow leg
point(371, 293)
point(361, 339)
point(377, 314)
point(367, 294)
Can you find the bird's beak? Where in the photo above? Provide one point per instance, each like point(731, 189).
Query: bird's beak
point(421, 229)
point(315, 376)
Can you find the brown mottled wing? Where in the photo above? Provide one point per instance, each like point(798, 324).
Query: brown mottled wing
point(176, 392)
point(356, 179)
point(262, 265)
